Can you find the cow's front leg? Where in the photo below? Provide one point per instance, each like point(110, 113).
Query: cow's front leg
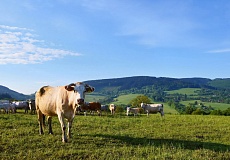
point(63, 127)
point(69, 128)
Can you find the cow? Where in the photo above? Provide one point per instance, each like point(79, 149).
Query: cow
point(60, 101)
point(104, 108)
point(135, 111)
point(21, 105)
point(91, 106)
point(32, 106)
point(112, 108)
point(153, 108)
point(7, 107)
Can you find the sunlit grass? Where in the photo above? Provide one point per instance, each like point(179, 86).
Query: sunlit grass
point(118, 137)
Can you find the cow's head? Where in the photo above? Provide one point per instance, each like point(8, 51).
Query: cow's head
point(79, 89)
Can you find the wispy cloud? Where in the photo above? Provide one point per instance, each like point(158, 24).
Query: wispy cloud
point(19, 46)
point(220, 51)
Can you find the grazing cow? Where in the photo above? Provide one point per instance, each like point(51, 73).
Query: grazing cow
point(7, 107)
point(153, 108)
point(112, 108)
point(32, 106)
point(91, 106)
point(135, 111)
point(62, 102)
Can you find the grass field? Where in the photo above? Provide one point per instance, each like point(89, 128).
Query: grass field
point(118, 137)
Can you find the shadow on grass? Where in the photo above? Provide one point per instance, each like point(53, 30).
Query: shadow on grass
point(185, 144)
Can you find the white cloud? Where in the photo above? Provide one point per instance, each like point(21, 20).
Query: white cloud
point(19, 46)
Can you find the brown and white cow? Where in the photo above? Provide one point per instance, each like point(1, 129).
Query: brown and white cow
point(135, 111)
point(153, 108)
point(91, 106)
point(62, 102)
point(112, 108)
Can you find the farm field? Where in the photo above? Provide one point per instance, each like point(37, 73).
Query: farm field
point(118, 137)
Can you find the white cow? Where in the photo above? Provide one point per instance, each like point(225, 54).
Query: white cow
point(7, 107)
point(153, 108)
point(112, 108)
point(135, 111)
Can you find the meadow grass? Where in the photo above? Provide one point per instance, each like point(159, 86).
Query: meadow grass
point(118, 137)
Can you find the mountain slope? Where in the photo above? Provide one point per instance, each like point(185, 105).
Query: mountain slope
point(11, 94)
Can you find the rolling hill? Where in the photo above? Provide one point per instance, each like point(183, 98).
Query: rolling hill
point(10, 94)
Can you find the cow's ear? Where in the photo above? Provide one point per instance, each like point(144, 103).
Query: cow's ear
point(70, 87)
point(89, 88)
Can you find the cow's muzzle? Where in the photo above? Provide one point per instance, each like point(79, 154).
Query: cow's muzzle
point(80, 101)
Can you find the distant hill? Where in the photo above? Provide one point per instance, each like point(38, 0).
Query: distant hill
point(133, 84)
point(138, 82)
point(10, 94)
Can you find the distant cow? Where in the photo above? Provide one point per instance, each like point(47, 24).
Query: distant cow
point(104, 108)
point(153, 108)
point(21, 105)
point(135, 111)
point(91, 106)
point(112, 108)
point(32, 106)
point(62, 102)
point(7, 107)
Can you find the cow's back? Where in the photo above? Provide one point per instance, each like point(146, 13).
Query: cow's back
point(94, 106)
point(46, 100)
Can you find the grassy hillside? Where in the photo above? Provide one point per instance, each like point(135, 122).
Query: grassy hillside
point(188, 91)
point(94, 97)
point(118, 137)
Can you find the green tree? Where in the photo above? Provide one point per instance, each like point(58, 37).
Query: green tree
point(138, 100)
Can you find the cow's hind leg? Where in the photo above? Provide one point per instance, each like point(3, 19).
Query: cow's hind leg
point(50, 125)
point(40, 121)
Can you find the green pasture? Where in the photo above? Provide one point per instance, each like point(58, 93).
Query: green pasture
point(94, 97)
point(221, 106)
point(187, 91)
point(179, 137)
point(125, 99)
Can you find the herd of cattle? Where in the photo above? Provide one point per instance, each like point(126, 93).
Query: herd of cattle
point(7, 106)
point(65, 102)
point(11, 107)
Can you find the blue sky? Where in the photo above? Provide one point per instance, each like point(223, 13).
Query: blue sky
point(58, 42)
